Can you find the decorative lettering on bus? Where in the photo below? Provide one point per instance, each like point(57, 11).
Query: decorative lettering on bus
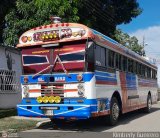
point(40, 52)
point(60, 79)
point(64, 49)
point(52, 35)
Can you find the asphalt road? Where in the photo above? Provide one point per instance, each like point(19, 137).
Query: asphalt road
point(135, 121)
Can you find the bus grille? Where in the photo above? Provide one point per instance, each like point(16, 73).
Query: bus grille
point(52, 90)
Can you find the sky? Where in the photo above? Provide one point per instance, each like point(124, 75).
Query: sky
point(147, 27)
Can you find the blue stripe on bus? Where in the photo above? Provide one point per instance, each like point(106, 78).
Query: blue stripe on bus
point(105, 74)
point(45, 77)
point(131, 81)
point(105, 78)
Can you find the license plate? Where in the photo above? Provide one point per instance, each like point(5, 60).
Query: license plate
point(48, 112)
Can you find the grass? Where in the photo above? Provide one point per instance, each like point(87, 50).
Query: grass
point(7, 112)
point(7, 123)
point(16, 124)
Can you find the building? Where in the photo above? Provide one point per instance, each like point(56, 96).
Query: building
point(10, 71)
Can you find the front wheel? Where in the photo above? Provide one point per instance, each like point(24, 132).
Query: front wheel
point(114, 112)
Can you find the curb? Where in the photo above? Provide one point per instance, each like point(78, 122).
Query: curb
point(42, 123)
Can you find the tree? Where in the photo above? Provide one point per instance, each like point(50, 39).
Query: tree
point(31, 13)
point(105, 15)
point(102, 15)
point(129, 42)
point(5, 6)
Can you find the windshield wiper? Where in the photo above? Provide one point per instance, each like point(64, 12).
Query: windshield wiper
point(49, 67)
point(58, 59)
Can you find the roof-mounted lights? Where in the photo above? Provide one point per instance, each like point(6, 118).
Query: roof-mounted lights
point(57, 34)
point(26, 39)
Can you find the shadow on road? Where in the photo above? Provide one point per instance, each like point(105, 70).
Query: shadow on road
point(96, 124)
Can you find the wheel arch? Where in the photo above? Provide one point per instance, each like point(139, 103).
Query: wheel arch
point(116, 94)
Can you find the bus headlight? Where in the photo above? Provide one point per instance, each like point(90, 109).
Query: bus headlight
point(81, 89)
point(26, 91)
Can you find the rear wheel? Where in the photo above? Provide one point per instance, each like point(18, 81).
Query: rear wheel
point(149, 104)
point(114, 112)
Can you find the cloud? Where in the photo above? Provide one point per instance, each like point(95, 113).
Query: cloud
point(151, 37)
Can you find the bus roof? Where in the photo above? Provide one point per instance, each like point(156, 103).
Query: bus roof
point(53, 34)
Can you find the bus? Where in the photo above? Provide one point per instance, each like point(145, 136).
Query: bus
point(73, 72)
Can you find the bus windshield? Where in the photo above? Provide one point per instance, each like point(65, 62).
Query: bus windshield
point(36, 59)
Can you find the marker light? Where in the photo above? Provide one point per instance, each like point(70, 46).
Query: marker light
point(24, 39)
point(29, 38)
point(45, 99)
point(79, 77)
point(57, 99)
point(50, 35)
point(54, 35)
point(25, 79)
point(39, 99)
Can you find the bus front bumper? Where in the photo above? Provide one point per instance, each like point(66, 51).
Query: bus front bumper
point(61, 111)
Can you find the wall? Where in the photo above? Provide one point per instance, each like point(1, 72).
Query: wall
point(10, 59)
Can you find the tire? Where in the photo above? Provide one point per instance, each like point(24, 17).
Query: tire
point(149, 104)
point(112, 119)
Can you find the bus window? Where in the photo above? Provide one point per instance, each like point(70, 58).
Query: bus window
point(148, 72)
point(90, 58)
point(154, 74)
point(120, 62)
point(72, 56)
point(130, 65)
point(34, 59)
point(124, 63)
point(111, 57)
point(117, 61)
point(100, 54)
point(143, 70)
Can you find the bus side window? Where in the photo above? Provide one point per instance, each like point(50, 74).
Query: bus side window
point(124, 63)
point(130, 65)
point(103, 56)
point(90, 58)
point(100, 56)
point(90, 54)
point(111, 58)
point(154, 74)
point(117, 61)
point(120, 62)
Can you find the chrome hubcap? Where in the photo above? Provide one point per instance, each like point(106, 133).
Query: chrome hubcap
point(115, 111)
point(149, 103)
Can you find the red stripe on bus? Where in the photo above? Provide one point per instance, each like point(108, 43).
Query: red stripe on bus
point(34, 90)
point(124, 90)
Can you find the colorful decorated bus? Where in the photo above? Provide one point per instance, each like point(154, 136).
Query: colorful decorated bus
point(73, 72)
